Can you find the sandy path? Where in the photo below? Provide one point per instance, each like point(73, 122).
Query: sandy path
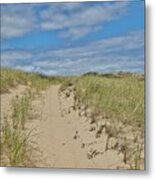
point(56, 136)
point(65, 140)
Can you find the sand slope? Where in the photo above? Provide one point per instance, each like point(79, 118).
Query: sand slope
point(65, 138)
point(62, 136)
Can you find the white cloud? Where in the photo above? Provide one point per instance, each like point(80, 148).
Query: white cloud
point(73, 19)
point(16, 20)
point(15, 55)
point(77, 32)
point(83, 19)
point(109, 55)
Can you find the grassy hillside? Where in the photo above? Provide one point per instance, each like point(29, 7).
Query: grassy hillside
point(118, 96)
point(11, 78)
point(117, 100)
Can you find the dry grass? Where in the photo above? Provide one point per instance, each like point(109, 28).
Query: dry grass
point(15, 146)
point(10, 78)
point(119, 100)
point(15, 143)
point(20, 109)
point(118, 97)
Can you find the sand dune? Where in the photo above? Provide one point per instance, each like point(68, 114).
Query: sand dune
point(63, 135)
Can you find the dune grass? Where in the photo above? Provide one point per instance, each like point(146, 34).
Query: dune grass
point(10, 78)
point(15, 144)
point(21, 109)
point(118, 96)
point(118, 99)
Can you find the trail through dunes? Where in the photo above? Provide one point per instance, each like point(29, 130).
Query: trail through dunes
point(90, 121)
point(68, 140)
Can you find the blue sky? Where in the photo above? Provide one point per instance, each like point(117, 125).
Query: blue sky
point(73, 38)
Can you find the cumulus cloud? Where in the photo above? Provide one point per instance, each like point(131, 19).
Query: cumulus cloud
point(109, 55)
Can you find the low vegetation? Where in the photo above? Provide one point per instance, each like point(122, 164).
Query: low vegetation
point(21, 109)
point(15, 144)
point(119, 97)
point(10, 78)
